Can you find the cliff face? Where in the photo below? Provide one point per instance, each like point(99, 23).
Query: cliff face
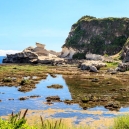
point(98, 36)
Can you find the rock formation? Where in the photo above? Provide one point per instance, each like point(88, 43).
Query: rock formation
point(92, 66)
point(125, 52)
point(67, 53)
point(94, 57)
point(97, 36)
point(34, 55)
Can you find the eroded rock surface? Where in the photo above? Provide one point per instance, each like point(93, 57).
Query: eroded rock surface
point(93, 66)
point(34, 55)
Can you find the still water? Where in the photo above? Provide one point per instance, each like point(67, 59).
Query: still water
point(74, 110)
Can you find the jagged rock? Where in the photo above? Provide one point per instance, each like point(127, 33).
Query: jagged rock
point(34, 55)
point(67, 53)
point(22, 57)
point(122, 67)
point(91, 65)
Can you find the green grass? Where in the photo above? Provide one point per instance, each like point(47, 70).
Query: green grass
point(19, 122)
point(112, 65)
point(121, 122)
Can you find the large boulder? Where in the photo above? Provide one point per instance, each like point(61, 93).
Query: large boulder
point(122, 67)
point(93, 66)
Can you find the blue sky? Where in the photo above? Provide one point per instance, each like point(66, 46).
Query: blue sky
point(24, 22)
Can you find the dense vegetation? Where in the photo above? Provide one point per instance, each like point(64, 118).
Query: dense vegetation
point(98, 36)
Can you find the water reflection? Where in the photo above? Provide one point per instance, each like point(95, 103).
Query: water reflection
point(7, 106)
point(77, 88)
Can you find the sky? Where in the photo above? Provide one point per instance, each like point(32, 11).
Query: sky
point(24, 22)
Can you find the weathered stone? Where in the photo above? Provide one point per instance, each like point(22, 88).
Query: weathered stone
point(93, 69)
point(122, 67)
point(53, 98)
point(94, 57)
point(34, 55)
point(113, 105)
point(93, 66)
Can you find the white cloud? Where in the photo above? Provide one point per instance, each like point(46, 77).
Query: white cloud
point(4, 52)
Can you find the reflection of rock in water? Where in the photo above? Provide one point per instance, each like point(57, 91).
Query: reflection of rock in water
point(91, 93)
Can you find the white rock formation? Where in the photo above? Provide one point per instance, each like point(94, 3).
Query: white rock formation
point(38, 54)
point(67, 53)
point(92, 65)
point(91, 56)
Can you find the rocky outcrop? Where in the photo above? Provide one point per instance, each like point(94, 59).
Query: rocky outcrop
point(67, 53)
point(92, 66)
point(22, 57)
point(98, 36)
point(125, 52)
point(34, 55)
point(122, 67)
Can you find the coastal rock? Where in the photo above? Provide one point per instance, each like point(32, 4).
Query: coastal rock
point(35, 55)
point(101, 36)
point(67, 53)
point(122, 67)
point(93, 66)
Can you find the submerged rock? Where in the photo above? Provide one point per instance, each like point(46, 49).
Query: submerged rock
point(55, 86)
point(53, 98)
point(113, 105)
point(24, 98)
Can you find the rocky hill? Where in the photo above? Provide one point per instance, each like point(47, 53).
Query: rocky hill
point(98, 35)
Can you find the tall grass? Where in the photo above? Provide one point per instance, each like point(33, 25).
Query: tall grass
point(19, 122)
point(121, 122)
